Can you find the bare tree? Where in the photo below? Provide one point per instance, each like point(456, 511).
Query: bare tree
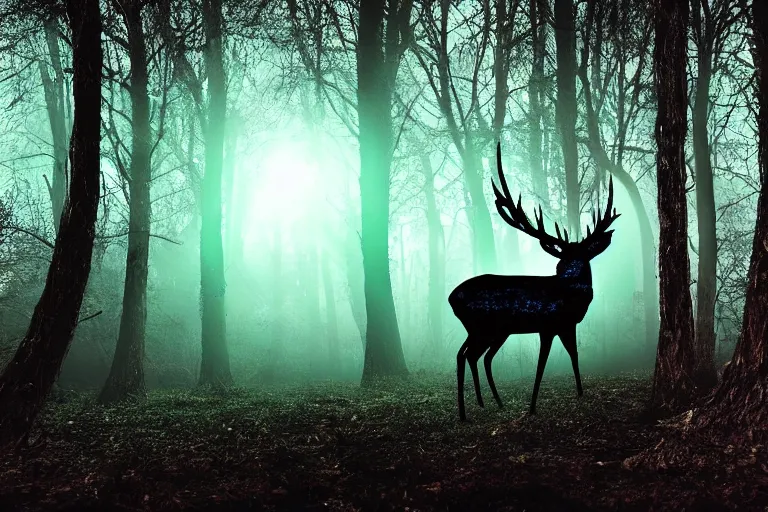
point(537, 14)
point(214, 369)
point(384, 33)
point(29, 376)
point(57, 106)
point(628, 107)
point(566, 112)
point(739, 406)
point(711, 22)
point(466, 126)
point(126, 376)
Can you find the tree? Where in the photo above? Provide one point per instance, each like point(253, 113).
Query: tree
point(672, 380)
point(214, 367)
point(126, 376)
point(57, 105)
point(383, 35)
point(468, 130)
point(628, 106)
point(566, 112)
point(29, 376)
point(537, 14)
point(709, 34)
point(436, 241)
point(739, 405)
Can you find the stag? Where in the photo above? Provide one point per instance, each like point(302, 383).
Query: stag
point(492, 307)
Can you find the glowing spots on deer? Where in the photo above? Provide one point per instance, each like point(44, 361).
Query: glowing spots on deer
point(573, 268)
point(512, 301)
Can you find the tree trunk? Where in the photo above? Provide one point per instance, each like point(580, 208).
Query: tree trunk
point(436, 293)
point(404, 288)
point(355, 280)
point(538, 42)
point(376, 71)
point(311, 286)
point(126, 377)
point(214, 367)
point(54, 102)
point(29, 376)
point(705, 374)
point(278, 296)
point(739, 406)
point(565, 41)
point(331, 322)
point(672, 381)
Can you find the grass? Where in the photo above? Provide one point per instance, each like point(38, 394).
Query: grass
point(401, 447)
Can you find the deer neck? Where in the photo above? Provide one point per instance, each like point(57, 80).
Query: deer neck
point(575, 271)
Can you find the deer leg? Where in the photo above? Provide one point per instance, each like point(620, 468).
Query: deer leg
point(473, 354)
point(487, 360)
point(546, 345)
point(568, 338)
point(460, 363)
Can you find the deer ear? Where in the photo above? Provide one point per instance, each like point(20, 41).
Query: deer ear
point(599, 244)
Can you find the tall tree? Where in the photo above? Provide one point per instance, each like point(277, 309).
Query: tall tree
point(214, 366)
point(672, 380)
point(739, 406)
point(30, 375)
point(711, 22)
point(436, 243)
point(57, 107)
point(383, 35)
point(468, 129)
point(537, 16)
point(628, 105)
point(126, 376)
point(565, 42)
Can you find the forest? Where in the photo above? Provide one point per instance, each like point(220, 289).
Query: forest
point(229, 231)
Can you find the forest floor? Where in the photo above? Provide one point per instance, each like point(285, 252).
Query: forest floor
point(340, 447)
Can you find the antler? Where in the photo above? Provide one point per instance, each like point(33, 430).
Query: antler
point(515, 216)
point(602, 221)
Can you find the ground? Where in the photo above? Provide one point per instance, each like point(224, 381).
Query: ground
point(340, 447)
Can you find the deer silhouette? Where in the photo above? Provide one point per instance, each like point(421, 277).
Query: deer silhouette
point(492, 307)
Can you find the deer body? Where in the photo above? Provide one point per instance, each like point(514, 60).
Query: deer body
point(521, 304)
point(492, 307)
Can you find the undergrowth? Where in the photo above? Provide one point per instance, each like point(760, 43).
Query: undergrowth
point(397, 447)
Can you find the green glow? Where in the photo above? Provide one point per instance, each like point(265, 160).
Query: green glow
point(285, 190)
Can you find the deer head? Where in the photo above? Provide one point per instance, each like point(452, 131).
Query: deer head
point(573, 255)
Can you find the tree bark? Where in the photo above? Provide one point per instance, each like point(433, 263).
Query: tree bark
point(739, 406)
point(29, 376)
point(705, 374)
point(538, 42)
point(126, 377)
point(214, 367)
point(378, 58)
point(672, 381)
point(565, 42)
